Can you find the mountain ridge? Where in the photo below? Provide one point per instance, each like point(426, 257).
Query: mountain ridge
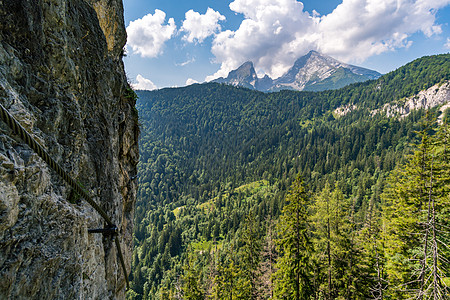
point(311, 72)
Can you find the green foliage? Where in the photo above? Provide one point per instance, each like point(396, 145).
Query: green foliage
point(130, 95)
point(191, 279)
point(370, 239)
point(250, 251)
point(293, 277)
point(231, 282)
point(417, 219)
point(74, 197)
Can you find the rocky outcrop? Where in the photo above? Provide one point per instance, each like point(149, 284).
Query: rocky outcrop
point(62, 77)
point(437, 95)
point(343, 110)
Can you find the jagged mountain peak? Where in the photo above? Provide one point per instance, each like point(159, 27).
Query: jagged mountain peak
point(244, 76)
point(244, 71)
point(313, 71)
point(248, 65)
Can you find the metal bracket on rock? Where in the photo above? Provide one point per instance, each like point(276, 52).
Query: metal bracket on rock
point(110, 230)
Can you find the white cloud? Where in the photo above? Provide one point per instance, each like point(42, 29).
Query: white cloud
point(190, 81)
point(147, 36)
point(269, 26)
point(358, 29)
point(447, 45)
point(189, 61)
point(143, 84)
point(275, 33)
point(198, 27)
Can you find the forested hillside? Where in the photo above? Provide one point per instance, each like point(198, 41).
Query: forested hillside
point(251, 195)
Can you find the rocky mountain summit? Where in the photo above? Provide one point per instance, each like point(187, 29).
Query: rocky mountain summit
point(244, 76)
point(311, 72)
point(62, 78)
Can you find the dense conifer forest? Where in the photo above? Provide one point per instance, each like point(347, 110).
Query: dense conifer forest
point(251, 195)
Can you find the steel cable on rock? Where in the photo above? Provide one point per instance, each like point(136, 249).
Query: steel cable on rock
point(33, 144)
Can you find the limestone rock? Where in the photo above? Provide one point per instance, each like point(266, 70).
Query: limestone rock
point(62, 77)
point(437, 95)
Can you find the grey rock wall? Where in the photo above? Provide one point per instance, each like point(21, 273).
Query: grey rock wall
point(62, 77)
point(437, 95)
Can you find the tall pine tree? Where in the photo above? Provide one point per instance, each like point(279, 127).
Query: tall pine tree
point(333, 244)
point(294, 270)
point(250, 252)
point(417, 219)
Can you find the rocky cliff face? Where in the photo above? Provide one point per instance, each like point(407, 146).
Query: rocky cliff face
point(437, 95)
point(62, 77)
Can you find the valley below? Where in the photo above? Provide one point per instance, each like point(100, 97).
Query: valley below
point(294, 194)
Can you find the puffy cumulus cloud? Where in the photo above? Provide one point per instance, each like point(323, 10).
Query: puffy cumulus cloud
point(190, 81)
point(358, 29)
point(275, 33)
point(143, 84)
point(198, 27)
point(263, 37)
point(147, 36)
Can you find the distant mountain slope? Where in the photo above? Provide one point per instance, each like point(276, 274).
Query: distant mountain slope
point(311, 72)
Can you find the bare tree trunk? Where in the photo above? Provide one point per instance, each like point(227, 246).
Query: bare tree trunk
point(329, 251)
point(298, 254)
point(427, 231)
point(271, 259)
point(380, 282)
point(379, 287)
point(435, 252)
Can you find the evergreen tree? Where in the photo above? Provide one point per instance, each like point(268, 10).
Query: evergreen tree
point(294, 269)
point(230, 282)
point(203, 145)
point(333, 245)
point(191, 279)
point(417, 220)
point(371, 240)
point(250, 253)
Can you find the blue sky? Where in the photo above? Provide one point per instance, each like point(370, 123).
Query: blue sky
point(174, 43)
